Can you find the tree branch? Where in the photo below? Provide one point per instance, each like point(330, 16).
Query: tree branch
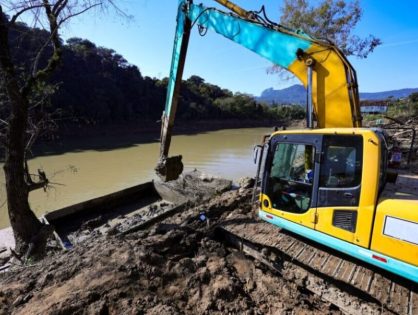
point(16, 15)
point(39, 54)
point(56, 55)
point(42, 182)
point(40, 102)
point(78, 13)
point(59, 6)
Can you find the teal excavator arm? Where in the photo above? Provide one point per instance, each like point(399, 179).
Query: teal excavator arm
point(322, 68)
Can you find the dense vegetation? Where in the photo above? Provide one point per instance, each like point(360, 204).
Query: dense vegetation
point(404, 108)
point(96, 85)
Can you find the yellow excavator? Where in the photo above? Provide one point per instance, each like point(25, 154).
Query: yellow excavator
point(326, 183)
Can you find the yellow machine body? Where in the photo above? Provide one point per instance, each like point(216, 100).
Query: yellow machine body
point(397, 241)
point(380, 226)
point(343, 209)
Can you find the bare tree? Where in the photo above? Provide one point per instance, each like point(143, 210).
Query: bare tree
point(24, 92)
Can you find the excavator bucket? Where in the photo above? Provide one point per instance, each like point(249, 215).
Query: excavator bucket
point(169, 168)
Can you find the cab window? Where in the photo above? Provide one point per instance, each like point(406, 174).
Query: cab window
point(291, 177)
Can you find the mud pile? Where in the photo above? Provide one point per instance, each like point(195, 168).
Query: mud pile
point(175, 267)
point(193, 186)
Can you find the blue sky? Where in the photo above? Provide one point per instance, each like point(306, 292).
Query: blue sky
point(147, 41)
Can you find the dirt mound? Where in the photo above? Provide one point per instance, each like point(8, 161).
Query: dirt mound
point(193, 186)
point(176, 267)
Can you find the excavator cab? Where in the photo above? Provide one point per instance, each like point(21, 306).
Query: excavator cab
point(316, 179)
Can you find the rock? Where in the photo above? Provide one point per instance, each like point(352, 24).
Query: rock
point(18, 301)
point(246, 182)
point(46, 279)
point(193, 186)
point(3, 249)
point(22, 299)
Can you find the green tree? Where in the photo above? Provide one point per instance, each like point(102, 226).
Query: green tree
point(334, 20)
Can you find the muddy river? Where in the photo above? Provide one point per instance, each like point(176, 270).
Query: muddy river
point(104, 166)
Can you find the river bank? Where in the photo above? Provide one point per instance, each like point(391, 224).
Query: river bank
point(174, 267)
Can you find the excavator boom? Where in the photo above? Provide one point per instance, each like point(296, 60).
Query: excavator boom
point(333, 87)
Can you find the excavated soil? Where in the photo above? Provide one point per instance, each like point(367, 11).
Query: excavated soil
point(175, 267)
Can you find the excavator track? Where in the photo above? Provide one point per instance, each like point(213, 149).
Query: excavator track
point(321, 270)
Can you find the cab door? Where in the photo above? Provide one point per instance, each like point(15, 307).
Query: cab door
point(290, 178)
point(339, 186)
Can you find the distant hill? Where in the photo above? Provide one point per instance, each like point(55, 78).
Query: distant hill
point(384, 95)
point(296, 94)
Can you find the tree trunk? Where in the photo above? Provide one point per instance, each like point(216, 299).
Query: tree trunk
point(23, 221)
point(25, 225)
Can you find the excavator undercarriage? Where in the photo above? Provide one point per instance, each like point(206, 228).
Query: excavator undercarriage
point(322, 271)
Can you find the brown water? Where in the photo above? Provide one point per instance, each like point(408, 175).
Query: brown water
point(82, 175)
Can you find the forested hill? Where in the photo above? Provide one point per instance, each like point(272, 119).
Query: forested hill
point(96, 85)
